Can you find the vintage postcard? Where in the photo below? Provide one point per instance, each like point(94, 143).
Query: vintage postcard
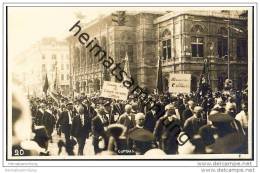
point(129, 82)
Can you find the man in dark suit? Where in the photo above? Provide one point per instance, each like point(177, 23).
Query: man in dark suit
point(194, 123)
point(65, 121)
point(81, 126)
point(49, 121)
point(39, 114)
point(188, 112)
point(109, 113)
point(167, 129)
point(99, 123)
point(150, 118)
point(88, 109)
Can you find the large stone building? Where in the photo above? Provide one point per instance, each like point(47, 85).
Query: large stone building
point(48, 56)
point(136, 39)
point(183, 40)
point(188, 38)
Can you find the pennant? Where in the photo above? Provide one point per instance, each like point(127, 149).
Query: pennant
point(46, 85)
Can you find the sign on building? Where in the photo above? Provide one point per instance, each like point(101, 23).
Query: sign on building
point(114, 90)
point(179, 83)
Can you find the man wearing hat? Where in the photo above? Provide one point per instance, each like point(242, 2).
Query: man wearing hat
point(226, 138)
point(81, 126)
point(167, 129)
point(151, 117)
point(135, 108)
point(99, 125)
point(88, 108)
point(39, 115)
point(109, 113)
point(65, 120)
point(188, 112)
point(219, 106)
point(49, 121)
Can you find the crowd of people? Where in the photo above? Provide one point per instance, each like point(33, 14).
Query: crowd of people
point(215, 123)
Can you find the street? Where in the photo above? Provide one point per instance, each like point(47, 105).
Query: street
point(53, 147)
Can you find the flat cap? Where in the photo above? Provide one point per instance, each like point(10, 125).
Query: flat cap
point(169, 106)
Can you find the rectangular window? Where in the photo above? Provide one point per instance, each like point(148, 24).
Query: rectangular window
point(62, 77)
point(68, 77)
point(130, 52)
point(197, 47)
point(68, 66)
point(166, 49)
point(54, 57)
point(62, 67)
point(241, 48)
point(43, 57)
point(222, 47)
point(122, 51)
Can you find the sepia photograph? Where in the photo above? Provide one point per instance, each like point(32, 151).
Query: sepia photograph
point(122, 82)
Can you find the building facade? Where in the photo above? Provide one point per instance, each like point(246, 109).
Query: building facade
point(186, 39)
point(48, 56)
point(136, 39)
point(183, 40)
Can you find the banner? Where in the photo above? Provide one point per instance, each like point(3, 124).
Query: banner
point(114, 90)
point(180, 83)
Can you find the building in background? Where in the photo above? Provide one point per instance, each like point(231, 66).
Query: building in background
point(133, 34)
point(184, 40)
point(48, 56)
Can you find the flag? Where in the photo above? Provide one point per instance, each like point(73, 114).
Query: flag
point(204, 82)
point(205, 73)
point(55, 97)
point(106, 76)
point(126, 65)
point(46, 85)
point(159, 81)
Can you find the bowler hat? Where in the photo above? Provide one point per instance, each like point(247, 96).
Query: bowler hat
point(141, 134)
point(220, 117)
point(116, 130)
point(69, 104)
point(230, 143)
point(107, 103)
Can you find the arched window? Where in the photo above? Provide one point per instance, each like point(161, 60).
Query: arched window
point(96, 85)
point(166, 45)
point(77, 87)
point(83, 56)
point(223, 31)
point(222, 42)
point(90, 85)
point(76, 56)
point(197, 46)
point(197, 41)
point(104, 43)
point(198, 29)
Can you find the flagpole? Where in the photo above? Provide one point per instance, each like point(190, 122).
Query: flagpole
point(159, 82)
point(228, 46)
